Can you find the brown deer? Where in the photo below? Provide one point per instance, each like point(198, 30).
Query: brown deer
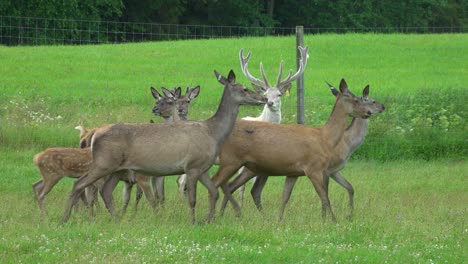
point(269, 149)
point(273, 92)
point(172, 111)
point(353, 138)
point(272, 110)
point(171, 107)
point(166, 149)
point(56, 163)
point(165, 106)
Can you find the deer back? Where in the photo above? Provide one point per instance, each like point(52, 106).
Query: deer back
point(72, 162)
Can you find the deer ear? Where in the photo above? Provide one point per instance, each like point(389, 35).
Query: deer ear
point(343, 86)
point(178, 92)
point(168, 93)
point(285, 88)
point(231, 77)
point(220, 78)
point(155, 94)
point(365, 92)
point(82, 130)
point(194, 92)
point(334, 91)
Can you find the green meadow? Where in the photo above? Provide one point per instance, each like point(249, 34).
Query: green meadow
point(409, 176)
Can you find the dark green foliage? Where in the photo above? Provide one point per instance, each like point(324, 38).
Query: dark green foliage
point(425, 127)
point(80, 22)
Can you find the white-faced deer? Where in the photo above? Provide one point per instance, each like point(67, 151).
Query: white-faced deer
point(269, 149)
point(272, 110)
point(273, 92)
point(167, 149)
point(353, 138)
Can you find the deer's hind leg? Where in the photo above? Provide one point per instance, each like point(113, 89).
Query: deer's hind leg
point(288, 187)
point(343, 182)
point(78, 188)
point(144, 183)
point(44, 186)
point(213, 195)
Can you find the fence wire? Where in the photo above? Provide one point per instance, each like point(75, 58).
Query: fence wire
point(46, 31)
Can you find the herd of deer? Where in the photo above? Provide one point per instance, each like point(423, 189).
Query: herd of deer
point(255, 147)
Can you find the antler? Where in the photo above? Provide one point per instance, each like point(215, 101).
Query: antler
point(302, 63)
point(244, 64)
point(281, 85)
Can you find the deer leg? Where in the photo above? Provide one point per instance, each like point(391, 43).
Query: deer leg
point(144, 183)
point(213, 195)
point(181, 184)
point(320, 183)
point(192, 193)
point(37, 187)
point(241, 189)
point(158, 187)
point(220, 179)
point(89, 197)
point(343, 182)
point(288, 187)
point(106, 194)
point(127, 191)
point(78, 189)
point(43, 187)
point(139, 194)
point(257, 189)
point(234, 185)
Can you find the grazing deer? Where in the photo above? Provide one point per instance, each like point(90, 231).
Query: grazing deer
point(167, 149)
point(269, 149)
point(352, 139)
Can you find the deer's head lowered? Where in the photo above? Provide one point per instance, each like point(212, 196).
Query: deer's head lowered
point(273, 92)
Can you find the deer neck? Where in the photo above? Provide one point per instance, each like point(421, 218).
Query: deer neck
point(222, 122)
point(270, 115)
point(175, 115)
point(355, 133)
point(335, 127)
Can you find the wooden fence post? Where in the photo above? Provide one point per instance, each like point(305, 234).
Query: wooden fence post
point(300, 80)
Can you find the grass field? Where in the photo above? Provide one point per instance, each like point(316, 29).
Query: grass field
point(409, 177)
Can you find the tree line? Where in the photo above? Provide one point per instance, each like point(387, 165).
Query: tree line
point(267, 13)
point(345, 15)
